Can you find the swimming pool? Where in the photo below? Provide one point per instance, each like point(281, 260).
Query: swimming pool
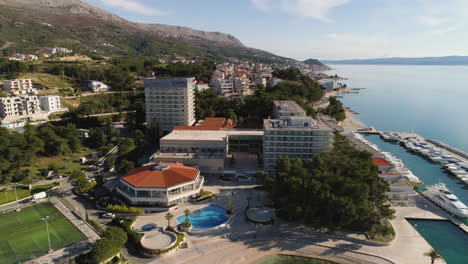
point(207, 217)
point(148, 227)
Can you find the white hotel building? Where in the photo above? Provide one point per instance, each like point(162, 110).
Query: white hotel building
point(293, 134)
point(171, 102)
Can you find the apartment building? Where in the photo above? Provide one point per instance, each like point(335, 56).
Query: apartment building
point(19, 87)
point(222, 86)
point(171, 102)
point(19, 106)
point(241, 84)
point(50, 103)
point(294, 135)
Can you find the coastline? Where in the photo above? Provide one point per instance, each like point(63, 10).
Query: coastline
point(351, 123)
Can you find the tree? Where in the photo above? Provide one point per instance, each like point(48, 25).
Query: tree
point(230, 205)
point(169, 217)
point(433, 254)
point(97, 138)
point(110, 162)
point(187, 213)
point(337, 189)
point(154, 133)
point(110, 244)
point(125, 166)
point(126, 145)
point(82, 185)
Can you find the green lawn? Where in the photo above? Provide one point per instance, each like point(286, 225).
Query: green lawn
point(8, 195)
point(48, 80)
point(23, 234)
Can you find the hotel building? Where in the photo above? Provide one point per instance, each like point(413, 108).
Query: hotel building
point(171, 102)
point(293, 134)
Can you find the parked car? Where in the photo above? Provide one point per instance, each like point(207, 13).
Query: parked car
point(108, 215)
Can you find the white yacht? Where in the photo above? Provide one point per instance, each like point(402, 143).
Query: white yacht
point(441, 196)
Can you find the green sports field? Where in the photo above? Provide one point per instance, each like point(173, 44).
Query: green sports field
point(23, 234)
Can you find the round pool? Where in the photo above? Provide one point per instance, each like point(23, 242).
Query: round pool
point(148, 227)
point(207, 217)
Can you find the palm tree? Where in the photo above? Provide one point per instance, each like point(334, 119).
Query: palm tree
point(169, 217)
point(187, 212)
point(433, 254)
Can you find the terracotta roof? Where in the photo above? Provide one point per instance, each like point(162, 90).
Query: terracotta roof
point(210, 123)
point(201, 83)
point(381, 162)
point(149, 177)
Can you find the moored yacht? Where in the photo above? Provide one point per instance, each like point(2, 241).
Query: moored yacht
point(440, 195)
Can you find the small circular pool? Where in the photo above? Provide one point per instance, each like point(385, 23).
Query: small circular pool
point(207, 217)
point(148, 227)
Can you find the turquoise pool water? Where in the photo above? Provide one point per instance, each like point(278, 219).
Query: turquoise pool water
point(207, 217)
point(448, 239)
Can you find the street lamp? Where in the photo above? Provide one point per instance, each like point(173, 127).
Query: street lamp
point(47, 228)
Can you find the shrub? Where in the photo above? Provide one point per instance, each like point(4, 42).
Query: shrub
point(115, 208)
point(186, 223)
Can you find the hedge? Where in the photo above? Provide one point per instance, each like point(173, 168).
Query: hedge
point(115, 208)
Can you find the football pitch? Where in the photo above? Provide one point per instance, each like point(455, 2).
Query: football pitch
point(23, 234)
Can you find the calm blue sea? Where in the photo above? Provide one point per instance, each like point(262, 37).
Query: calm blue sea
point(429, 100)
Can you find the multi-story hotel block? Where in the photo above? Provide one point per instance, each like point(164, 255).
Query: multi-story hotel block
point(294, 135)
point(19, 87)
point(171, 102)
point(19, 106)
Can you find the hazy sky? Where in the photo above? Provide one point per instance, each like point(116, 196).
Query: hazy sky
point(323, 29)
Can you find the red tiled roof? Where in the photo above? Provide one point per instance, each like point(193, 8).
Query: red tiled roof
point(148, 177)
point(210, 123)
point(201, 83)
point(381, 162)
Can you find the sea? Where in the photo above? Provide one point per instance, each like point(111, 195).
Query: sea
point(429, 100)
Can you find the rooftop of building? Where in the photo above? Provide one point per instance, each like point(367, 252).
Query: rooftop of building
point(288, 107)
point(381, 162)
point(278, 124)
point(209, 123)
point(210, 135)
point(160, 175)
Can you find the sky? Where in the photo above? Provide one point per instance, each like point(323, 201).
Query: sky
point(322, 29)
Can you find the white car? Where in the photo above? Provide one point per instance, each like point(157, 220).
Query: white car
point(108, 215)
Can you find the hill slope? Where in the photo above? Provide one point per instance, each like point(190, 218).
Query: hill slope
point(29, 25)
point(449, 60)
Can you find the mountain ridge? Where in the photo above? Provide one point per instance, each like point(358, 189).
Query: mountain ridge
point(443, 60)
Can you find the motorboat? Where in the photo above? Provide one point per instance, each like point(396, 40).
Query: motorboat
point(436, 158)
point(441, 195)
point(410, 176)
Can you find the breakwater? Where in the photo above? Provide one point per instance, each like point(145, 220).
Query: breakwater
point(454, 150)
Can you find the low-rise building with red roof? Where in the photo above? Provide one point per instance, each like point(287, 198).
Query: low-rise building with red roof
point(382, 164)
point(160, 184)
